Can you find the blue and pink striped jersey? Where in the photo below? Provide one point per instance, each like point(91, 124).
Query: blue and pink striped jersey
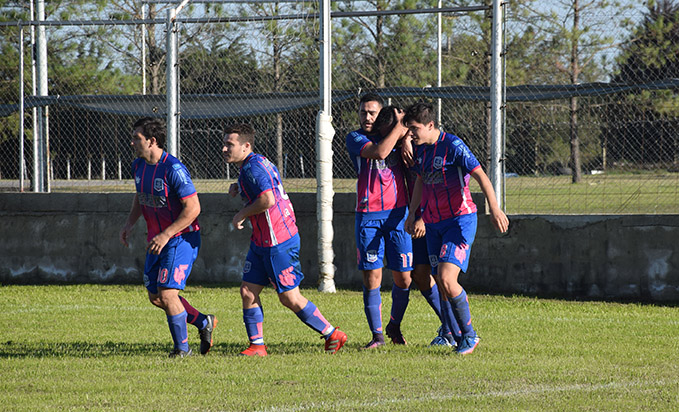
point(381, 183)
point(444, 167)
point(277, 224)
point(160, 188)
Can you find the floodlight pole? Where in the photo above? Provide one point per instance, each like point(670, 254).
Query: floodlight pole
point(496, 107)
point(324, 135)
point(171, 83)
point(41, 156)
point(21, 108)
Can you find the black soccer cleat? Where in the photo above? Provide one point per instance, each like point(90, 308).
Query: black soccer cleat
point(178, 353)
point(206, 334)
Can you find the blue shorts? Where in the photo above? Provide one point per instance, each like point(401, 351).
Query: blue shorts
point(171, 268)
point(420, 254)
point(452, 239)
point(376, 233)
point(278, 265)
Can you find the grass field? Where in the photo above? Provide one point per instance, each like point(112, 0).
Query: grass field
point(104, 348)
point(622, 193)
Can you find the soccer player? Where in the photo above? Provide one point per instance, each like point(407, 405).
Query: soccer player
point(169, 203)
point(444, 164)
point(274, 248)
point(421, 273)
point(381, 210)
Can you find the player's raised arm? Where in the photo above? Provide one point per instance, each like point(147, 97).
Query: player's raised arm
point(383, 148)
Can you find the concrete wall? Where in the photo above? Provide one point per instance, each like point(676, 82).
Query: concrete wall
point(64, 237)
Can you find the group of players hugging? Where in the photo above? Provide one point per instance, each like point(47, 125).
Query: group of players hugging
point(414, 210)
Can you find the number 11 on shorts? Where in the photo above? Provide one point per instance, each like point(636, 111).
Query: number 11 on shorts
point(407, 259)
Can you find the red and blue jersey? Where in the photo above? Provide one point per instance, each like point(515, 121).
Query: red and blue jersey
point(381, 183)
point(277, 224)
point(160, 189)
point(444, 168)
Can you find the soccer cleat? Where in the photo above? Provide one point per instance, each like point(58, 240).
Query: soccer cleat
point(206, 334)
point(178, 353)
point(335, 341)
point(376, 342)
point(254, 350)
point(394, 332)
point(443, 339)
point(467, 345)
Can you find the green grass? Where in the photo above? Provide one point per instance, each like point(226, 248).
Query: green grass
point(104, 347)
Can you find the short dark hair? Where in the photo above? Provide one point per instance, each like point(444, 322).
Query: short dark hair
point(151, 127)
point(372, 97)
point(421, 112)
point(245, 132)
point(386, 118)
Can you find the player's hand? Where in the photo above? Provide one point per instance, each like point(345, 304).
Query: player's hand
point(237, 221)
point(124, 235)
point(419, 229)
point(233, 189)
point(408, 225)
point(500, 220)
point(157, 243)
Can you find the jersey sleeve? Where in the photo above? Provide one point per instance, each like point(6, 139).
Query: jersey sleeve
point(463, 156)
point(356, 142)
point(179, 180)
point(258, 179)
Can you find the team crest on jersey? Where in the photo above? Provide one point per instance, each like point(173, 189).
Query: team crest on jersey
point(438, 162)
point(158, 184)
point(433, 261)
point(137, 179)
point(371, 256)
point(247, 266)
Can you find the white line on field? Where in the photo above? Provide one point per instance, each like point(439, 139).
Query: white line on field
point(539, 389)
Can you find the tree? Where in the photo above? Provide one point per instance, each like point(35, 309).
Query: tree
point(578, 32)
point(651, 53)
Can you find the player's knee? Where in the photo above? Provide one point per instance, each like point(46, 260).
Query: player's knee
point(155, 301)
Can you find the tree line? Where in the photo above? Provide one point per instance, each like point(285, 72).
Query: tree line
point(564, 42)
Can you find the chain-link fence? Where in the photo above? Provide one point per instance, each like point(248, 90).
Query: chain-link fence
point(590, 118)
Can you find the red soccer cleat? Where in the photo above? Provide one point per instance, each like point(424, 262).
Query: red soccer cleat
point(335, 341)
point(254, 350)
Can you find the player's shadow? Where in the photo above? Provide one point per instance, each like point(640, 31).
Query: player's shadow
point(81, 349)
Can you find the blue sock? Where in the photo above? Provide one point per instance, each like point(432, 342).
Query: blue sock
point(253, 319)
point(434, 300)
point(449, 320)
point(313, 318)
point(462, 314)
point(194, 317)
point(180, 336)
point(399, 303)
point(372, 304)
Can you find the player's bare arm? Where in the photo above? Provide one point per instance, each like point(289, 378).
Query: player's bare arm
point(233, 189)
point(263, 203)
point(135, 213)
point(382, 149)
point(407, 152)
point(497, 216)
point(415, 231)
point(188, 214)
